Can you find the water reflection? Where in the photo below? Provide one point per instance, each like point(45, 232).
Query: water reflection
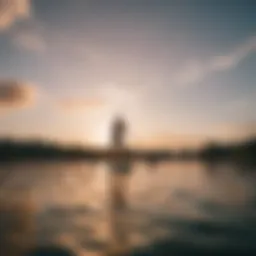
point(50, 251)
point(178, 209)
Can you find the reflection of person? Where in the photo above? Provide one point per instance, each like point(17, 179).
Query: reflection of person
point(120, 168)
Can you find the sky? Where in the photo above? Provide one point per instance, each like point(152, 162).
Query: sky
point(180, 72)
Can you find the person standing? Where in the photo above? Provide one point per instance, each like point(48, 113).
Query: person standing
point(120, 167)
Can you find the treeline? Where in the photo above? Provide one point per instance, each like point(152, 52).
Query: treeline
point(11, 150)
point(236, 152)
point(14, 150)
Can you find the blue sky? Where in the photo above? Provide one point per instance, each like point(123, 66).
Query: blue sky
point(180, 71)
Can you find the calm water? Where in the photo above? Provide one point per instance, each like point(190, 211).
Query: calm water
point(175, 208)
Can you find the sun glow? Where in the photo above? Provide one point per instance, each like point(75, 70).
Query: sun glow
point(119, 102)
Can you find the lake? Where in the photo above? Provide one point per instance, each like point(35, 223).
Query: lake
point(175, 208)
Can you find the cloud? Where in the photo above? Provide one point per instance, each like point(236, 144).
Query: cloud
point(226, 62)
point(12, 10)
point(16, 95)
point(195, 71)
point(81, 104)
point(29, 36)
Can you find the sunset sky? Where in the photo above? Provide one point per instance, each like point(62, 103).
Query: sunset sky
point(181, 72)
